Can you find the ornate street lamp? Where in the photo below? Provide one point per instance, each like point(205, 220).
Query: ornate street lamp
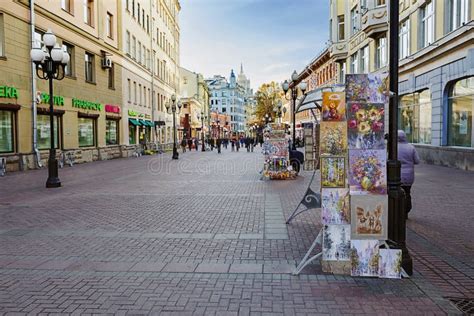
point(50, 62)
point(203, 148)
point(174, 106)
point(294, 94)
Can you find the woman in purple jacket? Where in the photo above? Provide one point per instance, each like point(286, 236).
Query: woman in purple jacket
point(408, 157)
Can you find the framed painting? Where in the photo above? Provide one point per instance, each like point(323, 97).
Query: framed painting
point(357, 88)
point(378, 88)
point(333, 172)
point(333, 139)
point(334, 106)
point(364, 258)
point(335, 207)
point(366, 125)
point(367, 171)
point(369, 214)
point(336, 242)
point(390, 263)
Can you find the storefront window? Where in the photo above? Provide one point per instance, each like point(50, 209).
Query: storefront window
point(132, 134)
point(461, 106)
point(6, 131)
point(86, 130)
point(111, 132)
point(415, 116)
point(43, 131)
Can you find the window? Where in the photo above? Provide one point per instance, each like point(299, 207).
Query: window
point(458, 14)
point(355, 63)
point(127, 43)
point(6, 131)
point(132, 134)
point(340, 28)
point(109, 25)
point(143, 18)
point(381, 52)
point(139, 55)
point(88, 11)
point(354, 26)
point(134, 47)
point(111, 77)
point(111, 132)
point(43, 131)
point(404, 39)
point(127, 5)
point(380, 3)
point(89, 67)
point(140, 92)
point(364, 59)
point(66, 5)
point(415, 116)
point(2, 37)
point(135, 92)
point(144, 97)
point(461, 106)
point(342, 72)
point(69, 69)
point(148, 24)
point(133, 8)
point(86, 132)
point(129, 90)
point(427, 24)
point(138, 12)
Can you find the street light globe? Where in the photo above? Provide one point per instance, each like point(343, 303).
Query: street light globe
point(179, 104)
point(303, 85)
point(57, 53)
point(36, 53)
point(285, 86)
point(167, 105)
point(294, 76)
point(284, 110)
point(66, 56)
point(49, 39)
point(173, 97)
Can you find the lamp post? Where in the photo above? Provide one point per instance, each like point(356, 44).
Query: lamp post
point(294, 94)
point(203, 148)
point(50, 62)
point(174, 106)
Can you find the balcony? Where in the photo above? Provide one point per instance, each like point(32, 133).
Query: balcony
point(338, 50)
point(375, 21)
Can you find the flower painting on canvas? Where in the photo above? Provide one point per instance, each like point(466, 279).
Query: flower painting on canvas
point(333, 138)
point(357, 88)
point(367, 172)
point(334, 107)
point(366, 126)
point(369, 214)
point(378, 88)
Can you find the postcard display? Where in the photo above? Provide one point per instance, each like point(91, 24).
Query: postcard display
point(275, 150)
point(354, 211)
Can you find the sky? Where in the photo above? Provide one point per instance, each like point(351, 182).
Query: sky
point(270, 37)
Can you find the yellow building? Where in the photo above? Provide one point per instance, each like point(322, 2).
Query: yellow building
point(436, 70)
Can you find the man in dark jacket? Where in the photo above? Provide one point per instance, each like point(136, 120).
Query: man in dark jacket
point(408, 157)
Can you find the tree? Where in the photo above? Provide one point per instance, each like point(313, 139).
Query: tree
point(267, 96)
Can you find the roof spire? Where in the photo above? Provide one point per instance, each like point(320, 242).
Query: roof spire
point(241, 68)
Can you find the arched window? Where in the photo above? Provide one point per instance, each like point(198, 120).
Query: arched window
point(415, 116)
point(460, 108)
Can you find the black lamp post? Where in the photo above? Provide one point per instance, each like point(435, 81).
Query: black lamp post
point(174, 106)
point(218, 128)
point(294, 94)
point(396, 196)
point(203, 148)
point(50, 62)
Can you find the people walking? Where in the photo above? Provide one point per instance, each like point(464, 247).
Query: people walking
point(219, 143)
point(408, 157)
point(183, 145)
point(232, 144)
point(196, 143)
point(190, 143)
point(247, 143)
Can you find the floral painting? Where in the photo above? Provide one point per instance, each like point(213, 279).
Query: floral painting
point(378, 88)
point(369, 215)
point(357, 88)
point(333, 172)
point(367, 171)
point(364, 257)
point(390, 263)
point(366, 126)
point(333, 139)
point(334, 107)
point(336, 242)
point(335, 207)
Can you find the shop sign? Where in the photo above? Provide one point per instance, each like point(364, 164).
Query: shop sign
point(57, 99)
point(147, 116)
point(87, 105)
point(8, 92)
point(132, 113)
point(112, 108)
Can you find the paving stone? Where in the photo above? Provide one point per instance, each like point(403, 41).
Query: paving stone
point(180, 267)
point(278, 268)
point(251, 236)
point(212, 268)
point(245, 268)
point(148, 266)
point(226, 236)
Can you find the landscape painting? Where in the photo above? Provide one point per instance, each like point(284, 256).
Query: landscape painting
point(366, 125)
point(333, 107)
point(368, 172)
point(369, 215)
point(335, 208)
point(333, 138)
point(390, 263)
point(365, 258)
point(336, 242)
point(333, 172)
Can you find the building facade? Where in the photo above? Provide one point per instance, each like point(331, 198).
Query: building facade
point(94, 102)
point(436, 68)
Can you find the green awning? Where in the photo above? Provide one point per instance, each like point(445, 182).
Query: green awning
point(146, 123)
point(134, 122)
point(150, 123)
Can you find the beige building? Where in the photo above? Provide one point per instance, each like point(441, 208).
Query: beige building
point(436, 83)
point(93, 104)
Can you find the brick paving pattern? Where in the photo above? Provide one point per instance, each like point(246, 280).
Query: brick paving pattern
point(205, 236)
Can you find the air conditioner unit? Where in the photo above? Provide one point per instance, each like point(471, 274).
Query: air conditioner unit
point(106, 62)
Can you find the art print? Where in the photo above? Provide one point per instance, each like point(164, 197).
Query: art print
point(333, 172)
point(357, 88)
point(390, 263)
point(279, 148)
point(369, 214)
point(336, 242)
point(335, 207)
point(333, 139)
point(367, 171)
point(334, 107)
point(364, 257)
point(366, 125)
point(378, 89)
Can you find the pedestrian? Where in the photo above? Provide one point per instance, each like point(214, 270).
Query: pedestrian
point(190, 143)
point(247, 143)
point(252, 143)
point(408, 157)
point(212, 144)
point(196, 143)
point(237, 145)
point(219, 142)
point(232, 144)
point(183, 145)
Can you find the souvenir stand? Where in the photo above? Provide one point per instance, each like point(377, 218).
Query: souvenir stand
point(276, 154)
point(354, 201)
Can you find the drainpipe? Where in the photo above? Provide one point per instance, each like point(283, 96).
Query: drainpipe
point(33, 89)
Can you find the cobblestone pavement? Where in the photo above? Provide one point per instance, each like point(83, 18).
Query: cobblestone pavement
point(205, 236)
